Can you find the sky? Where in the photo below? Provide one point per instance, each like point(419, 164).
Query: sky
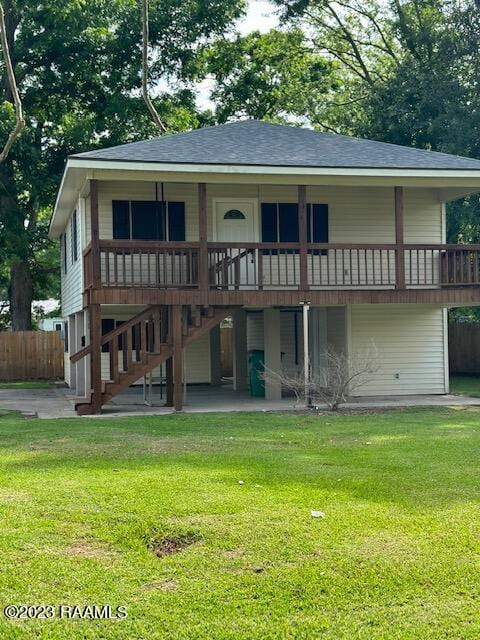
point(260, 17)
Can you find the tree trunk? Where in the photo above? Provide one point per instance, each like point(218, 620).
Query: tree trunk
point(21, 296)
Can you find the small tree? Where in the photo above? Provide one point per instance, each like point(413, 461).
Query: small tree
point(338, 378)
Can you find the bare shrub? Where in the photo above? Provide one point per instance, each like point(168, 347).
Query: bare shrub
point(340, 375)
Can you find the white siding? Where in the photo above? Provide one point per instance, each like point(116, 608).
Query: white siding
point(357, 214)
point(72, 280)
point(410, 343)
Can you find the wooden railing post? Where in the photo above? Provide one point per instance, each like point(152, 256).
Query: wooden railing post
point(399, 240)
point(202, 237)
point(94, 228)
point(302, 236)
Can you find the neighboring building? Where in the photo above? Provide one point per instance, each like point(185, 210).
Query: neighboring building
point(163, 239)
point(51, 324)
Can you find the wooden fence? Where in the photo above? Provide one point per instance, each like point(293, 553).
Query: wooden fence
point(31, 355)
point(464, 347)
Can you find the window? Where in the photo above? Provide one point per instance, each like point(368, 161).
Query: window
point(280, 222)
point(58, 326)
point(64, 252)
point(234, 214)
point(65, 337)
point(148, 220)
point(74, 237)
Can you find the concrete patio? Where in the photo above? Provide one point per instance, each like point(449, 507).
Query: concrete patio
point(57, 402)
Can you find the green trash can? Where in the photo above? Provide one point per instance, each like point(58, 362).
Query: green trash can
point(256, 361)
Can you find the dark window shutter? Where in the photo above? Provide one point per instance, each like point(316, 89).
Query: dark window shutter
point(288, 222)
point(176, 221)
point(144, 220)
point(320, 222)
point(121, 219)
point(108, 324)
point(65, 338)
point(269, 222)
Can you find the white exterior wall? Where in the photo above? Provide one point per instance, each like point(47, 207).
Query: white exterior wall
point(410, 342)
point(72, 281)
point(356, 214)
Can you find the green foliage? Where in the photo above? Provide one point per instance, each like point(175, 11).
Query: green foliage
point(78, 66)
point(272, 76)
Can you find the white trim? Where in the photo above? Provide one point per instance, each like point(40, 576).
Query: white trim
point(256, 220)
point(267, 169)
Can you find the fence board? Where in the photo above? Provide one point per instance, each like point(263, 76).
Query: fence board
point(31, 355)
point(464, 347)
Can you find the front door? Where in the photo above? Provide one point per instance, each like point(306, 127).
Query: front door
point(236, 222)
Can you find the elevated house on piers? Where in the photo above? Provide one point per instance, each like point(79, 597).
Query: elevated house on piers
point(163, 239)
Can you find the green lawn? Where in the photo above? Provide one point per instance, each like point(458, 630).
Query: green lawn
point(26, 384)
point(85, 502)
point(465, 386)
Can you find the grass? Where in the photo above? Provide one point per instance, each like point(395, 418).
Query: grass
point(201, 525)
point(465, 386)
point(28, 384)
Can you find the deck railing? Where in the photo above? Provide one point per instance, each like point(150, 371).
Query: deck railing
point(268, 266)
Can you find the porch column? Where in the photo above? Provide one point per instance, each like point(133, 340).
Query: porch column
point(95, 234)
point(273, 356)
point(302, 236)
point(95, 356)
point(399, 240)
point(215, 357)
point(202, 237)
point(239, 348)
point(177, 339)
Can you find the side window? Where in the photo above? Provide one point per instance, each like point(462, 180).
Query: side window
point(64, 252)
point(74, 236)
point(65, 334)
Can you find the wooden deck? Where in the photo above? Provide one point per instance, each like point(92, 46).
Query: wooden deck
point(150, 272)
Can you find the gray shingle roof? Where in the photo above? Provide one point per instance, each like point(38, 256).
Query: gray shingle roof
point(256, 143)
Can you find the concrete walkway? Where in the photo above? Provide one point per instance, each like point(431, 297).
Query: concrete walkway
point(57, 402)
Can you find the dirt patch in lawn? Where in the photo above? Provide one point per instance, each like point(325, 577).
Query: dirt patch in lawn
point(162, 585)
point(85, 549)
point(169, 544)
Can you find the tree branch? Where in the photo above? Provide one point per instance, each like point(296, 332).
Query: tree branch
point(146, 97)
point(20, 121)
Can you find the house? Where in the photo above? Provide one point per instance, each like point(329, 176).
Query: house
point(51, 324)
point(163, 239)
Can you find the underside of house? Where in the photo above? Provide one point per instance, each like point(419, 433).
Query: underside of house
point(274, 230)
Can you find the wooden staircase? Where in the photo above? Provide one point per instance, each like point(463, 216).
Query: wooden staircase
point(143, 343)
